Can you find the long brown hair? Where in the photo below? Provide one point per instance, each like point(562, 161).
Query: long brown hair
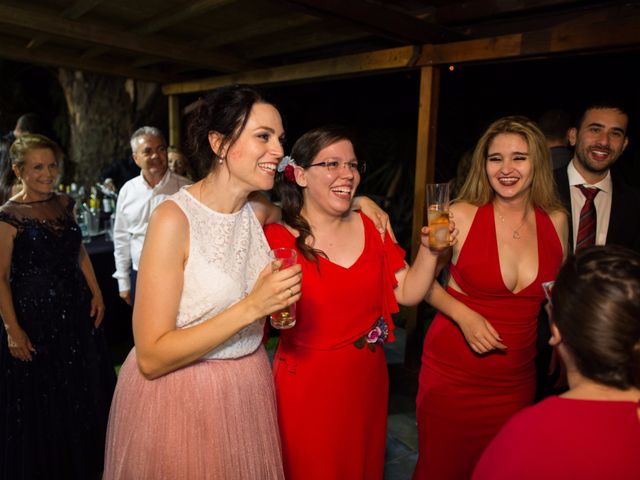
point(477, 189)
point(225, 111)
point(303, 153)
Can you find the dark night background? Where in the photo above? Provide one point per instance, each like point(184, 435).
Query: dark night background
point(382, 109)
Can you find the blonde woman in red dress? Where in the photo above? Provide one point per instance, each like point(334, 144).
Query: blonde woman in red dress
point(478, 359)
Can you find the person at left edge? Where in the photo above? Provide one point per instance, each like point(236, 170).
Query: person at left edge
point(136, 201)
point(56, 375)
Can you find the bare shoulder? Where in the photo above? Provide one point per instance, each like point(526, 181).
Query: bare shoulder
point(559, 217)
point(168, 219)
point(463, 213)
point(560, 221)
point(265, 211)
point(260, 205)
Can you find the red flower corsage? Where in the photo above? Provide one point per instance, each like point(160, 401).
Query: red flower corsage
point(288, 173)
point(286, 168)
point(376, 336)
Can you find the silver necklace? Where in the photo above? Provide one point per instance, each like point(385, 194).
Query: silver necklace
point(515, 231)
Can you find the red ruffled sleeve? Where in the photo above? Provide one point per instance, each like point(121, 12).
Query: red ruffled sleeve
point(393, 256)
point(393, 261)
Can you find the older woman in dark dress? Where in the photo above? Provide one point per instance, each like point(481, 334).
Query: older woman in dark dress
point(56, 380)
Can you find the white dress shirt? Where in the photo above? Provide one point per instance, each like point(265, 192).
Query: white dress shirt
point(136, 200)
point(602, 202)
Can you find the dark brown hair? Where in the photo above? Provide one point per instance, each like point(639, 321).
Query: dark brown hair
point(303, 153)
point(596, 306)
point(225, 111)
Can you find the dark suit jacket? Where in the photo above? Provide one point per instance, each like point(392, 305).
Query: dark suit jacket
point(624, 221)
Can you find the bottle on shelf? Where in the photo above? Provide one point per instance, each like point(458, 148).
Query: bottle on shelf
point(82, 222)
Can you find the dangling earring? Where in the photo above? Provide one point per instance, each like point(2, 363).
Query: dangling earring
point(220, 160)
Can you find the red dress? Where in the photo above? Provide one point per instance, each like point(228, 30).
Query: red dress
point(464, 398)
point(332, 396)
point(562, 438)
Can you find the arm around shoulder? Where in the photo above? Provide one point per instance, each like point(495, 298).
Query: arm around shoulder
point(266, 211)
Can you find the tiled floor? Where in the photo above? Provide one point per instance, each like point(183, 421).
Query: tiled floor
point(402, 433)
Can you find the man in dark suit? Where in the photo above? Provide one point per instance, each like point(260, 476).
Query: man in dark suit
point(599, 138)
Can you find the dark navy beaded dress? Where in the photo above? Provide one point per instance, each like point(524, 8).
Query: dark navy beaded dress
point(54, 409)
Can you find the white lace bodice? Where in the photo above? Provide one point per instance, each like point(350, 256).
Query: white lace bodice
point(227, 252)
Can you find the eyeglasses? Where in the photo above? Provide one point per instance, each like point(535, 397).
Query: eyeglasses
point(547, 287)
point(333, 166)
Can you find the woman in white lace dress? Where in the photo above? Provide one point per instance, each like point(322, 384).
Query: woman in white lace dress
point(195, 397)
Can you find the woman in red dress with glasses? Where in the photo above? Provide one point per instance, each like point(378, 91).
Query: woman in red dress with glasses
point(330, 369)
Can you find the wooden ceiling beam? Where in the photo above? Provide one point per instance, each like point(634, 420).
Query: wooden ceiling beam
point(80, 7)
point(165, 19)
point(305, 41)
point(606, 34)
point(256, 29)
point(379, 19)
point(618, 32)
point(54, 58)
point(178, 14)
point(455, 13)
point(83, 31)
point(382, 60)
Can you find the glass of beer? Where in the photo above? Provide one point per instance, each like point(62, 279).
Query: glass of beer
point(282, 258)
point(437, 213)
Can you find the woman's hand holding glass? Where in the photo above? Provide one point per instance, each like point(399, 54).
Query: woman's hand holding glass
point(274, 291)
point(453, 236)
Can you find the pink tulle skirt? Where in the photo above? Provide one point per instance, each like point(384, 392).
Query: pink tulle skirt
point(214, 419)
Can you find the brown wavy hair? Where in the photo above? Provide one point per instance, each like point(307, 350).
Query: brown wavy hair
point(304, 152)
point(224, 110)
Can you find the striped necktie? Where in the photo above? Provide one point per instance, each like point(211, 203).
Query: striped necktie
point(587, 225)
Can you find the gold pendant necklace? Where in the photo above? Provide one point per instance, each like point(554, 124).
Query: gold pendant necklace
point(515, 231)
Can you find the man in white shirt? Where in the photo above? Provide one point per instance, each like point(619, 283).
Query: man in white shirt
point(600, 138)
point(136, 200)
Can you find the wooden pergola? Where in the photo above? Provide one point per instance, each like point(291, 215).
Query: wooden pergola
point(195, 46)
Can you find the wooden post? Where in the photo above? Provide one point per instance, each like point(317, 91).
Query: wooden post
point(174, 120)
point(425, 173)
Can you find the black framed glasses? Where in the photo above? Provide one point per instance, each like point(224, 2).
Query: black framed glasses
point(334, 165)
